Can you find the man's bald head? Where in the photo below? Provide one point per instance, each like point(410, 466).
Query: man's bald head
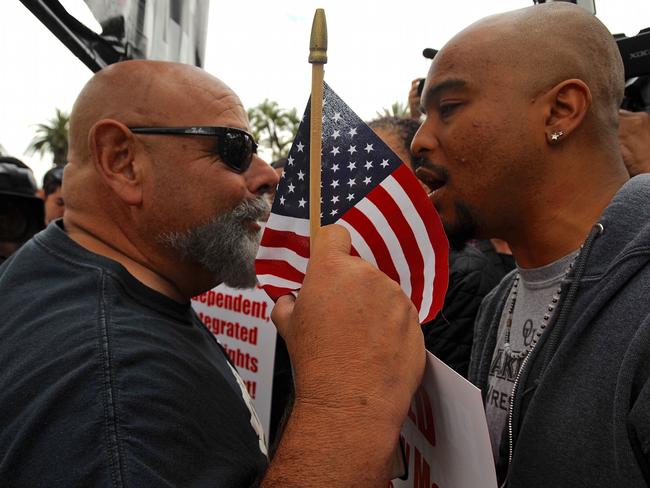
point(546, 44)
point(145, 93)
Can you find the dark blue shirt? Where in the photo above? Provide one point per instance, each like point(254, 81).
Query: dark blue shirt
point(106, 382)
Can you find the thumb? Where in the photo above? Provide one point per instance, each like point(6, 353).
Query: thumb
point(330, 241)
point(281, 314)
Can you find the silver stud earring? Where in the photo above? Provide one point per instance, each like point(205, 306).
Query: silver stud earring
point(555, 136)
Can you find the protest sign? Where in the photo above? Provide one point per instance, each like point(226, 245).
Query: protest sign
point(445, 436)
point(241, 321)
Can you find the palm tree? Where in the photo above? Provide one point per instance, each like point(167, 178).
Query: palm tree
point(274, 127)
point(53, 138)
point(397, 109)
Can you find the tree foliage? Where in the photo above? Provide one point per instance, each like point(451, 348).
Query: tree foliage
point(274, 127)
point(397, 109)
point(52, 137)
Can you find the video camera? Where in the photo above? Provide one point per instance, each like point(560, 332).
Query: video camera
point(635, 52)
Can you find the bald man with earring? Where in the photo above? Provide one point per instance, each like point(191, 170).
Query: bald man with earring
point(520, 142)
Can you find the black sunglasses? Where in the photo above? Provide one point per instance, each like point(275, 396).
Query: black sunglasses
point(235, 147)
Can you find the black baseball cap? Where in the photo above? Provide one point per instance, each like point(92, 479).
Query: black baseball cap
point(22, 213)
point(429, 52)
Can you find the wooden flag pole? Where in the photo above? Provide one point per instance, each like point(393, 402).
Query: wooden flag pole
point(317, 58)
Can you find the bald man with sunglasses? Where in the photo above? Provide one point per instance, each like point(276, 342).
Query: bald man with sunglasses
point(108, 376)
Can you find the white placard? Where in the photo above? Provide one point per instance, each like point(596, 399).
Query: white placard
point(445, 435)
point(241, 321)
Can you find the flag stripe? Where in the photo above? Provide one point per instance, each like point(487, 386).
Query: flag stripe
point(283, 254)
point(396, 253)
point(276, 281)
point(298, 244)
point(379, 250)
point(359, 244)
point(276, 292)
point(419, 229)
point(394, 217)
point(278, 268)
point(435, 232)
point(289, 224)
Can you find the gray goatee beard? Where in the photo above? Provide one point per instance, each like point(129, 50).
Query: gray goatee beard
point(225, 245)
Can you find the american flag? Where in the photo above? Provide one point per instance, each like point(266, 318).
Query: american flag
point(369, 191)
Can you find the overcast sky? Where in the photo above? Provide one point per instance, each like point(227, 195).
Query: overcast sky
point(260, 49)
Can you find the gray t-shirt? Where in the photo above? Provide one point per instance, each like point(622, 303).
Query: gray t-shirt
point(534, 293)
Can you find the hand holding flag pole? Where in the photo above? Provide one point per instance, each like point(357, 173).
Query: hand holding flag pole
point(317, 58)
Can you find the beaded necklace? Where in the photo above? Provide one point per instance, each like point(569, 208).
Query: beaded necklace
point(507, 347)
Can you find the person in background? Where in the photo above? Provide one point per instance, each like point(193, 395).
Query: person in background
point(498, 252)
point(278, 166)
point(414, 99)
point(634, 140)
point(520, 142)
point(471, 276)
point(21, 211)
point(53, 194)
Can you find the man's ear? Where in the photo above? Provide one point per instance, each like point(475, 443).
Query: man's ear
point(113, 150)
point(567, 106)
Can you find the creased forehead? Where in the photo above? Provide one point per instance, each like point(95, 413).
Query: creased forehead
point(154, 93)
point(154, 88)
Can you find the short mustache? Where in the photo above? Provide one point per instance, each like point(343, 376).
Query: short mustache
point(254, 209)
point(432, 175)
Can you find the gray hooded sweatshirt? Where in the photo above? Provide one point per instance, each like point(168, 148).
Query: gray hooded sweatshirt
point(581, 413)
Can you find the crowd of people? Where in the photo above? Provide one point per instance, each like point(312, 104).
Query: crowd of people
point(109, 377)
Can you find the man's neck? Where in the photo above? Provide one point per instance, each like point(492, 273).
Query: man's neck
point(560, 223)
point(120, 249)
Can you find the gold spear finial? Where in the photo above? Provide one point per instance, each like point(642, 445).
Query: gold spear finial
point(318, 39)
